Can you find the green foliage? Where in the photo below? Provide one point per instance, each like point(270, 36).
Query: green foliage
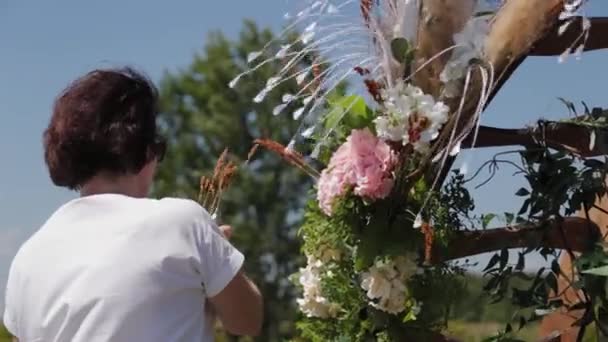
point(560, 184)
point(201, 116)
point(402, 51)
point(365, 232)
point(344, 113)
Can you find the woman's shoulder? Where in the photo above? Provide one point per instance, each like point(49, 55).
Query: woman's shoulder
point(181, 209)
point(180, 205)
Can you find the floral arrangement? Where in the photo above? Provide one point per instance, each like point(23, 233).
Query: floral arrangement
point(391, 90)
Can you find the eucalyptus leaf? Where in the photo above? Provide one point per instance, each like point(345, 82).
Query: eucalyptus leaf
point(486, 219)
point(347, 113)
point(493, 261)
point(504, 257)
point(598, 271)
point(401, 49)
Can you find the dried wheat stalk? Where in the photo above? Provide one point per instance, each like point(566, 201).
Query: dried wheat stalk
point(290, 156)
point(211, 189)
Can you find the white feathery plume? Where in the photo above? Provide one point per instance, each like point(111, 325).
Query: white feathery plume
point(573, 9)
point(343, 37)
point(334, 35)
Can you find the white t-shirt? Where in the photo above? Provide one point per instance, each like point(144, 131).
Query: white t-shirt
point(115, 268)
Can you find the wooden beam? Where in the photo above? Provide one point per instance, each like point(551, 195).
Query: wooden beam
point(574, 233)
point(560, 136)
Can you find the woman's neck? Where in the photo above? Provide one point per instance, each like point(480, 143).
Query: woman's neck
point(128, 185)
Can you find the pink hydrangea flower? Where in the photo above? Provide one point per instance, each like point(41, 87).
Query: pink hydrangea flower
point(363, 163)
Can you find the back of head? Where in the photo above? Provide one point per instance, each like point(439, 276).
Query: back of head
point(105, 121)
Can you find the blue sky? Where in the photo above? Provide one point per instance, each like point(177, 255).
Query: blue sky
point(45, 44)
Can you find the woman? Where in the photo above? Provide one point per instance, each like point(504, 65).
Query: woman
point(113, 265)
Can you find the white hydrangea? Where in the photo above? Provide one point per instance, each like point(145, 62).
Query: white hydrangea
point(470, 44)
point(411, 117)
point(385, 283)
point(313, 303)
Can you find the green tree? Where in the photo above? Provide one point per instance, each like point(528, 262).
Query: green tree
point(200, 116)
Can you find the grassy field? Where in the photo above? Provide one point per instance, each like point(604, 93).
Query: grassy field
point(466, 331)
point(477, 331)
point(4, 335)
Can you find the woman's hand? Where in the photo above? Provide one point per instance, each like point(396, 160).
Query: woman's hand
point(226, 231)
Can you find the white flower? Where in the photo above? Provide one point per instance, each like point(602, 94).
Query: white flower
point(317, 307)
point(411, 116)
point(385, 283)
point(377, 284)
point(470, 44)
point(313, 303)
point(390, 128)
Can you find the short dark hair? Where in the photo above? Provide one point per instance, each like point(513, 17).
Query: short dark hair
point(103, 121)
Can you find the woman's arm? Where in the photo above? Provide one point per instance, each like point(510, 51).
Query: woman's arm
point(240, 307)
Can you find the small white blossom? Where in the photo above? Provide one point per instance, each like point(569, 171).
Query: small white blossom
point(411, 116)
point(313, 303)
point(418, 221)
point(385, 283)
point(391, 128)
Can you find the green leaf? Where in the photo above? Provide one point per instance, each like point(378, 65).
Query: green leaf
point(521, 261)
point(493, 261)
point(524, 207)
point(486, 219)
point(347, 113)
point(551, 281)
point(401, 49)
point(504, 258)
point(555, 267)
point(568, 105)
point(409, 317)
point(594, 163)
point(598, 271)
point(509, 217)
point(522, 192)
